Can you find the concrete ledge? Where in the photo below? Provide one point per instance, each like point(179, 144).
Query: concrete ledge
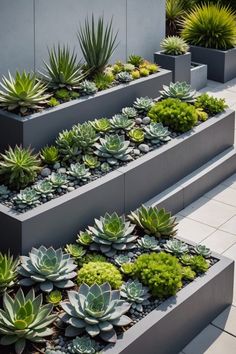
point(198, 76)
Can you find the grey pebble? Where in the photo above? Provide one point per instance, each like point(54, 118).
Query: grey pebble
point(56, 166)
point(144, 147)
point(70, 189)
point(138, 120)
point(62, 170)
point(146, 120)
point(46, 172)
point(136, 152)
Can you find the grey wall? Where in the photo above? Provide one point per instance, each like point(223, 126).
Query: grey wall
point(28, 27)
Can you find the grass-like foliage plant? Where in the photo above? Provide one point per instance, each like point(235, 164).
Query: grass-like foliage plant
point(174, 45)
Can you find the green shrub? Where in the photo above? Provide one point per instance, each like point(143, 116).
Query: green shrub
point(211, 105)
point(178, 116)
point(174, 45)
point(99, 273)
point(210, 26)
point(161, 272)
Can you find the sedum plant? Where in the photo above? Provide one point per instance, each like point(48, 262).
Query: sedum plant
point(120, 121)
point(79, 172)
point(85, 135)
point(19, 167)
point(102, 125)
point(211, 105)
point(47, 268)
point(91, 257)
point(156, 133)
point(135, 293)
point(112, 233)
point(180, 90)
point(91, 161)
point(96, 309)
point(202, 251)
point(8, 273)
point(176, 247)
point(28, 197)
point(25, 318)
point(148, 243)
point(23, 92)
point(63, 69)
point(136, 135)
point(129, 112)
point(88, 87)
point(210, 26)
point(174, 45)
point(83, 345)
point(54, 297)
point(99, 273)
point(50, 155)
point(114, 148)
point(154, 222)
point(143, 104)
point(199, 264)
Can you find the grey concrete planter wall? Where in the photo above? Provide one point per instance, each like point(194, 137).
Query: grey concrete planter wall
point(58, 221)
point(221, 64)
point(179, 319)
point(42, 128)
point(198, 76)
point(180, 65)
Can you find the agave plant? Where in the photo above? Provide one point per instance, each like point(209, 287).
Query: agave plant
point(27, 197)
point(174, 45)
point(135, 60)
point(180, 90)
point(96, 309)
point(8, 273)
point(85, 135)
point(75, 250)
point(135, 293)
point(119, 121)
point(121, 259)
point(58, 180)
point(97, 42)
point(4, 192)
point(63, 69)
point(54, 297)
point(67, 146)
point(83, 345)
point(137, 135)
point(124, 77)
point(87, 87)
point(44, 188)
point(91, 161)
point(19, 167)
point(143, 104)
point(202, 250)
point(176, 247)
point(79, 172)
point(114, 148)
point(154, 222)
point(156, 133)
point(48, 268)
point(25, 318)
point(85, 238)
point(22, 92)
point(102, 125)
point(129, 112)
point(148, 243)
point(112, 233)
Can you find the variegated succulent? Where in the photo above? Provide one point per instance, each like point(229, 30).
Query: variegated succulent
point(85, 238)
point(75, 250)
point(102, 125)
point(124, 77)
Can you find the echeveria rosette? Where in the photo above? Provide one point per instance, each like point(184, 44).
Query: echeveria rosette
point(83, 345)
point(112, 233)
point(96, 309)
point(134, 292)
point(48, 268)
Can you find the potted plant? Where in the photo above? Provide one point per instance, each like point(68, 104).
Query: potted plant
point(211, 31)
point(175, 57)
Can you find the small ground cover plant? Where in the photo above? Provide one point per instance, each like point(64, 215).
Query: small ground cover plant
point(108, 291)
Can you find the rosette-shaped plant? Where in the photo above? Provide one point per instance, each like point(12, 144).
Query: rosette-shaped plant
point(102, 125)
point(96, 309)
point(120, 121)
point(67, 146)
point(121, 259)
point(180, 90)
point(87, 87)
point(143, 104)
point(4, 192)
point(84, 238)
point(129, 112)
point(124, 77)
point(202, 250)
point(58, 180)
point(85, 135)
point(27, 197)
point(112, 233)
point(176, 247)
point(8, 273)
point(48, 268)
point(136, 135)
point(75, 250)
point(44, 188)
point(91, 161)
point(114, 148)
point(83, 345)
point(148, 243)
point(154, 221)
point(134, 292)
point(24, 318)
point(174, 45)
point(79, 171)
point(156, 133)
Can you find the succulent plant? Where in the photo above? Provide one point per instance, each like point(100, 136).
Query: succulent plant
point(148, 243)
point(79, 171)
point(24, 318)
point(102, 125)
point(91, 257)
point(48, 268)
point(144, 72)
point(27, 197)
point(85, 135)
point(188, 273)
point(152, 68)
point(156, 133)
point(96, 309)
point(44, 188)
point(127, 268)
point(87, 88)
point(114, 148)
point(50, 155)
point(128, 67)
point(202, 251)
point(154, 221)
point(134, 292)
point(120, 121)
point(143, 104)
point(176, 247)
point(174, 45)
point(136, 135)
point(23, 92)
point(103, 81)
point(58, 180)
point(186, 259)
point(112, 233)
point(83, 345)
point(202, 116)
point(129, 112)
point(75, 250)
point(199, 264)
point(135, 74)
point(19, 167)
point(67, 146)
point(63, 95)
point(124, 77)
point(8, 273)
point(85, 238)
point(135, 60)
point(91, 161)
point(105, 167)
point(53, 102)
point(210, 104)
point(54, 297)
point(121, 259)
point(4, 191)
point(180, 90)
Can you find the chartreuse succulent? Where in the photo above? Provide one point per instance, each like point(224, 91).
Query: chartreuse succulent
point(153, 221)
point(174, 45)
point(121, 259)
point(91, 161)
point(28, 197)
point(180, 90)
point(144, 72)
point(83, 345)
point(87, 87)
point(4, 191)
point(114, 148)
point(202, 251)
point(135, 74)
point(96, 309)
point(188, 273)
point(25, 318)
point(197, 263)
point(54, 297)
point(210, 105)
point(143, 104)
point(85, 238)
point(135, 293)
point(102, 125)
point(128, 67)
point(79, 171)
point(23, 92)
point(19, 167)
point(47, 268)
point(67, 146)
point(91, 257)
point(58, 180)
point(85, 135)
point(120, 121)
point(148, 243)
point(99, 273)
point(8, 273)
point(50, 155)
point(75, 250)
point(136, 135)
point(44, 188)
point(176, 247)
point(129, 112)
point(156, 133)
point(112, 233)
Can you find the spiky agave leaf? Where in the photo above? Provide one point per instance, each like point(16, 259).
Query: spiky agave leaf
point(8, 273)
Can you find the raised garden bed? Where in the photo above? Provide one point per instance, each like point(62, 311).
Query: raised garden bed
point(198, 76)
point(40, 129)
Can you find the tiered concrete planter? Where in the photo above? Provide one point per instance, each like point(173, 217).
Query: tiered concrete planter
point(58, 221)
point(40, 129)
point(221, 64)
point(198, 76)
